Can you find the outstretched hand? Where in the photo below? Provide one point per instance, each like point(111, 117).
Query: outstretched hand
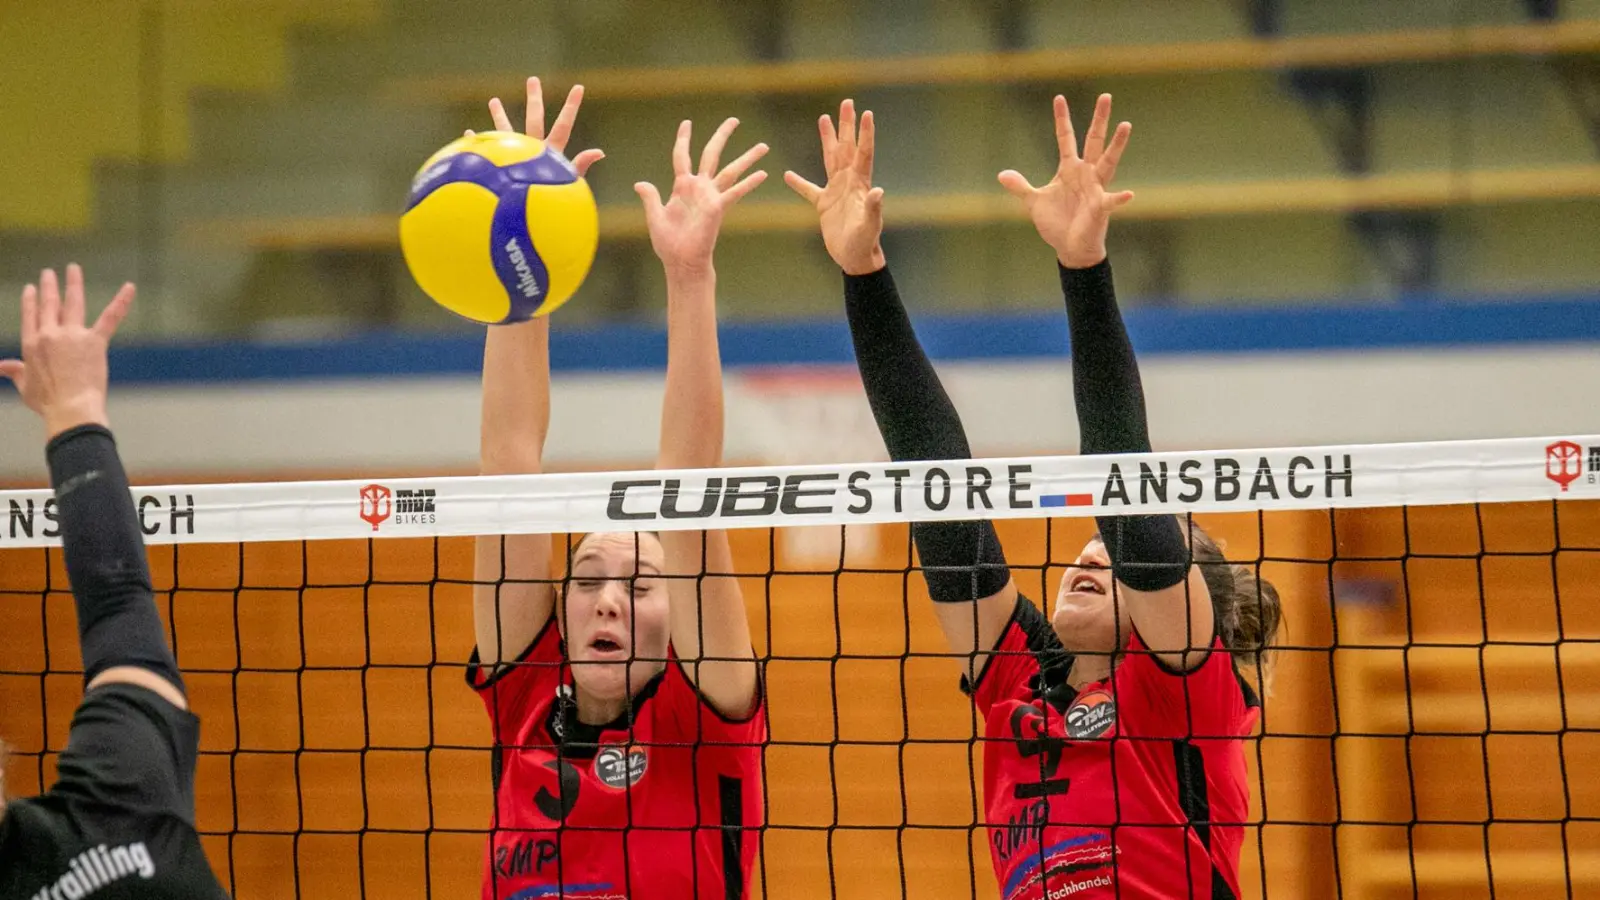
point(63, 372)
point(560, 132)
point(683, 230)
point(849, 208)
point(1073, 211)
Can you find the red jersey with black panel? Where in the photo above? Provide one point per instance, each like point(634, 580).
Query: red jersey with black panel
point(1133, 787)
point(667, 804)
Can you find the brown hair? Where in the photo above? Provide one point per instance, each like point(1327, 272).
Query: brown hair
point(1247, 609)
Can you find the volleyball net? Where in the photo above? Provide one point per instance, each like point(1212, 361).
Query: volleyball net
point(1431, 729)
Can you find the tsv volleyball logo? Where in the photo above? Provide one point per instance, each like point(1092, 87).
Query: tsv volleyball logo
point(619, 769)
point(1091, 716)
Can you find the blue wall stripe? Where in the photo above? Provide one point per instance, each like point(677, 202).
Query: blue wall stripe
point(1155, 331)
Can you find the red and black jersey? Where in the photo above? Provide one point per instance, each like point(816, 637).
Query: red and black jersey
point(665, 802)
point(1133, 788)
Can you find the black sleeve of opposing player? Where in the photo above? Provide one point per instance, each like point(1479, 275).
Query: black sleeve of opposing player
point(105, 557)
point(1147, 553)
point(131, 751)
point(961, 561)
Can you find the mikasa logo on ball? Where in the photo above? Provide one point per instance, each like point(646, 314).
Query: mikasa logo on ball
point(519, 261)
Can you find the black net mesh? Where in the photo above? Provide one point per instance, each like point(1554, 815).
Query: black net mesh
point(1429, 727)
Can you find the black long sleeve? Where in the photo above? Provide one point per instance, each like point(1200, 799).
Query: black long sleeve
point(105, 557)
point(1147, 553)
point(961, 561)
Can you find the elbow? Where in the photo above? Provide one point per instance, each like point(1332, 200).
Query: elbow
point(116, 584)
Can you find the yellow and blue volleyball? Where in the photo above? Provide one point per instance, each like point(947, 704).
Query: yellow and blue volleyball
point(499, 228)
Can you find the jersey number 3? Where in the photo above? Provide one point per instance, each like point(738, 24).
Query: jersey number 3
point(568, 781)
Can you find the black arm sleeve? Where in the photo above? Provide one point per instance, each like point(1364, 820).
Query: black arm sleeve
point(133, 751)
point(1147, 553)
point(961, 561)
point(105, 557)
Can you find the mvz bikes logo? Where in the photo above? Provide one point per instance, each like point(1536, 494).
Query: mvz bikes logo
point(406, 506)
point(1565, 463)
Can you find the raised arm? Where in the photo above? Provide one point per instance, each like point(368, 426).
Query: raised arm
point(128, 749)
point(710, 629)
point(1166, 598)
point(963, 563)
point(63, 376)
point(512, 596)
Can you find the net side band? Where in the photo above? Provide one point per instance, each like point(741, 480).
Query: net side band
point(1370, 475)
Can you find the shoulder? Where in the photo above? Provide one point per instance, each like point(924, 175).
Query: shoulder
point(125, 701)
point(1028, 657)
point(543, 655)
point(679, 700)
point(1211, 696)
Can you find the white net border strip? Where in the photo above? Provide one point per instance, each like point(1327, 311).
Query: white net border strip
point(1373, 475)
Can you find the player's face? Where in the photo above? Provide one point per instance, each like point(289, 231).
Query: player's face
point(1086, 618)
point(615, 616)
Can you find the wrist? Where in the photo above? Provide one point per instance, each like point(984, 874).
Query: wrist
point(62, 418)
point(690, 272)
point(1081, 258)
point(867, 264)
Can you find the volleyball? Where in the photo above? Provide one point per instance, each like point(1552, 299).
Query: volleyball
point(499, 228)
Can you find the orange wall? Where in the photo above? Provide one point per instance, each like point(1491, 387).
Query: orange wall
point(334, 704)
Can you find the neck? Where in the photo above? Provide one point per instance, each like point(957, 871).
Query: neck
point(594, 710)
point(1089, 668)
point(599, 711)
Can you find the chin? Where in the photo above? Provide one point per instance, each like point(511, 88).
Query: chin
point(601, 681)
point(614, 680)
point(1081, 628)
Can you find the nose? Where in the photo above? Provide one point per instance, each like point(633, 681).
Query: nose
point(611, 600)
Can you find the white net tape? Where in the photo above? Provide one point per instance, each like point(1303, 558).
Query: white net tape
point(1373, 475)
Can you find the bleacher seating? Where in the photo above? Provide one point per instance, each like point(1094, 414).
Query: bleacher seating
point(295, 166)
point(1417, 190)
point(828, 76)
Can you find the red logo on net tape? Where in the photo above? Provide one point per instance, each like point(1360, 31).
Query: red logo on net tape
point(1563, 463)
point(376, 505)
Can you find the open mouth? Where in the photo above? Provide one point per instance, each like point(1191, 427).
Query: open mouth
point(605, 645)
point(1085, 583)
